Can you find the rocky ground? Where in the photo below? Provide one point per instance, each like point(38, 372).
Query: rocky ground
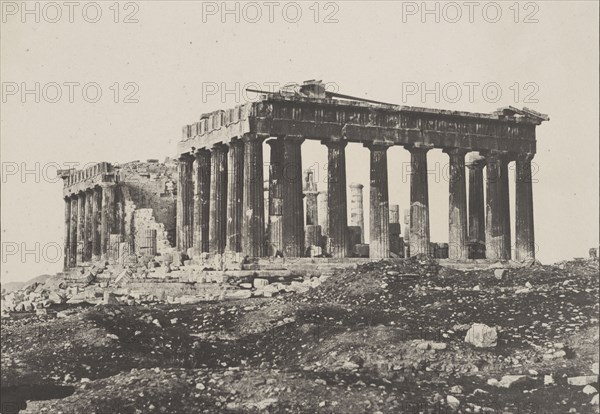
point(386, 337)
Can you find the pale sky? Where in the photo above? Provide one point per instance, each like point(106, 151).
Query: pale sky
point(378, 50)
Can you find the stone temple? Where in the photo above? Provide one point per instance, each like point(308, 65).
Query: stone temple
point(226, 207)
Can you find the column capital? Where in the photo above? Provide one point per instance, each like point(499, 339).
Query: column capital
point(475, 161)
point(493, 155)
point(378, 145)
point(418, 148)
point(201, 152)
point(524, 156)
point(455, 151)
point(252, 136)
point(219, 147)
point(337, 142)
point(293, 139)
point(186, 157)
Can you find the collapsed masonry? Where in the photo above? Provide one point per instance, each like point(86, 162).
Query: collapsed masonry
point(119, 212)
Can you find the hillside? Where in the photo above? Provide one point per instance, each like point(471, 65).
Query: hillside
point(385, 337)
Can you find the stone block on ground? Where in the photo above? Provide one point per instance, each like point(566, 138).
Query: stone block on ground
point(482, 336)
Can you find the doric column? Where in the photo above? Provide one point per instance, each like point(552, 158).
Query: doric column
point(235, 196)
point(357, 215)
point(81, 228)
point(457, 207)
point(379, 246)
point(218, 199)
point(476, 200)
point(275, 196)
point(201, 200)
point(419, 202)
point(292, 203)
point(253, 199)
point(96, 224)
point(108, 217)
point(497, 240)
point(73, 231)
point(66, 261)
point(185, 211)
point(525, 241)
point(87, 252)
point(337, 208)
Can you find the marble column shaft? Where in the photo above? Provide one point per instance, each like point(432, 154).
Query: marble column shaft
point(457, 207)
point(81, 228)
point(496, 237)
point(292, 200)
point(524, 229)
point(419, 202)
point(96, 223)
point(253, 201)
point(218, 199)
point(201, 200)
point(67, 234)
point(476, 201)
point(337, 208)
point(379, 246)
point(88, 226)
point(235, 196)
point(275, 195)
point(185, 209)
point(73, 231)
point(108, 217)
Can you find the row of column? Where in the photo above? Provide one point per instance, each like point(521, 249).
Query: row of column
point(90, 218)
point(222, 204)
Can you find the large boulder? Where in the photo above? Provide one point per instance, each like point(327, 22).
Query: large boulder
point(482, 336)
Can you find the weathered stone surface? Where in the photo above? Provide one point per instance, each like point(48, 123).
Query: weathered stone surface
point(582, 380)
point(482, 336)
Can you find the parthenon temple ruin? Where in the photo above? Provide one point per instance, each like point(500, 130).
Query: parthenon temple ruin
point(227, 205)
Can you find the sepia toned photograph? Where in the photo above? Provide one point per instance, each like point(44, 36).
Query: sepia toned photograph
point(303, 207)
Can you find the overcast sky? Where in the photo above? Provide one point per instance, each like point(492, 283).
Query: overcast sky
point(171, 62)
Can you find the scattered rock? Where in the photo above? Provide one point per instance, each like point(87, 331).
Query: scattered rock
point(482, 336)
point(582, 380)
point(588, 389)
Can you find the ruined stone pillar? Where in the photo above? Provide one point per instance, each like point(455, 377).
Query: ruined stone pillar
point(337, 208)
point(292, 203)
point(457, 219)
point(218, 199)
point(419, 202)
point(496, 238)
point(379, 246)
point(275, 196)
point(96, 224)
point(67, 236)
point(73, 231)
point(357, 215)
point(87, 252)
point(81, 228)
point(185, 203)
point(253, 201)
point(311, 194)
point(476, 200)
point(108, 217)
point(201, 200)
point(235, 195)
point(525, 241)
